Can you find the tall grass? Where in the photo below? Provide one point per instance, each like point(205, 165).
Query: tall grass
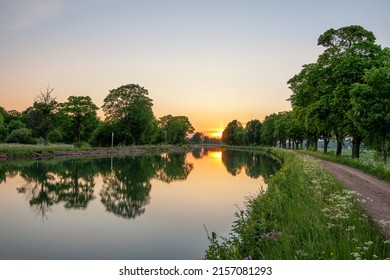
point(305, 214)
point(25, 149)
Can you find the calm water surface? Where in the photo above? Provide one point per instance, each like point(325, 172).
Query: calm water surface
point(140, 207)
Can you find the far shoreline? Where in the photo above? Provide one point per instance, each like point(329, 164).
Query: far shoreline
point(29, 152)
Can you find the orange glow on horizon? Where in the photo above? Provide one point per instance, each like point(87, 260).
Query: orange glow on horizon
point(217, 134)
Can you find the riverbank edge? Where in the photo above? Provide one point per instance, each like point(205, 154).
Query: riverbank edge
point(36, 153)
point(305, 214)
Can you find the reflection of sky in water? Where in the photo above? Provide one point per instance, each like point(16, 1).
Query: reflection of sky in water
point(171, 226)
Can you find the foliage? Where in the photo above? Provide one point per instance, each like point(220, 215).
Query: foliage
point(176, 128)
point(21, 136)
point(305, 214)
point(46, 105)
point(253, 133)
point(130, 107)
point(82, 112)
point(322, 94)
point(233, 134)
point(371, 105)
point(15, 124)
point(267, 130)
point(102, 136)
point(197, 138)
point(3, 131)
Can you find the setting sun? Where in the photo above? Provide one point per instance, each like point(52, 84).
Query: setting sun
point(217, 134)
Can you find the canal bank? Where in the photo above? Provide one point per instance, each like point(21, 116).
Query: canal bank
point(305, 214)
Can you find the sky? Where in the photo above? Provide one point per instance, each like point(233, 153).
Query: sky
point(213, 61)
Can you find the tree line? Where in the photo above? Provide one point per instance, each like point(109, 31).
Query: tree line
point(129, 120)
point(344, 95)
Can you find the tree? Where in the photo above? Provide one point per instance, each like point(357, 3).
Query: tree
point(131, 108)
point(15, 124)
point(197, 138)
point(267, 130)
point(3, 131)
point(46, 104)
point(371, 105)
point(305, 88)
point(233, 134)
point(349, 52)
point(253, 132)
point(321, 91)
point(82, 112)
point(176, 128)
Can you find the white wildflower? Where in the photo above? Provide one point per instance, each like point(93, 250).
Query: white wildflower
point(368, 243)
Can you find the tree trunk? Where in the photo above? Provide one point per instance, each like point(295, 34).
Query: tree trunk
point(339, 143)
point(339, 148)
point(384, 150)
point(289, 144)
point(326, 142)
point(307, 145)
point(356, 140)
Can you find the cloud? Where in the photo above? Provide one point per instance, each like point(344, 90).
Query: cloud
point(23, 14)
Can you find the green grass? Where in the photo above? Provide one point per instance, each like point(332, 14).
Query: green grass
point(23, 151)
point(305, 214)
point(368, 162)
point(26, 150)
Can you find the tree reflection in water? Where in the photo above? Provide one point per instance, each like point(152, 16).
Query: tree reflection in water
point(126, 180)
point(256, 165)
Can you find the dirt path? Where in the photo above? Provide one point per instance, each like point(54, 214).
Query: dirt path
point(375, 192)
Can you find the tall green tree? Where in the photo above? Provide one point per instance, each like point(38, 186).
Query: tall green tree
point(233, 134)
point(371, 105)
point(46, 105)
point(321, 91)
point(130, 107)
point(3, 132)
point(267, 130)
point(349, 52)
point(253, 132)
point(82, 112)
point(176, 128)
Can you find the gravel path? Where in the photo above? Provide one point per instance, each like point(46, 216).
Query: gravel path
point(375, 192)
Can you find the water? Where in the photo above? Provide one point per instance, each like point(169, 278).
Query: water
point(139, 207)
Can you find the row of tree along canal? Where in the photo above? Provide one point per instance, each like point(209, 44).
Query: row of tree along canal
point(129, 120)
point(345, 94)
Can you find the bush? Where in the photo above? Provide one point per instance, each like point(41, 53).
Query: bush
point(55, 136)
point(82, 145)
point(21, 136)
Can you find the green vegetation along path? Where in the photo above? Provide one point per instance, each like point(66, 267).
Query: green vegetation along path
point(372, 193)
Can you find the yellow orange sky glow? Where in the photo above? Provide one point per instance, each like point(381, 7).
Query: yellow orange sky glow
point(212, 61)
point(217, 134)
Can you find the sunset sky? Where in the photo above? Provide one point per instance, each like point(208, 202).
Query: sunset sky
point(213, 61)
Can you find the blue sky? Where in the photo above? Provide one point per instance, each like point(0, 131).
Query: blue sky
point(213, 61)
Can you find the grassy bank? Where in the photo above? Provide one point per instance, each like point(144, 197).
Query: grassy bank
point(368, 164)
point(19, 151)
point(305, 214)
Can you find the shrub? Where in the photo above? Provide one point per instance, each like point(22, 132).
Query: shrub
point(82, 145)
point(21, 136)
